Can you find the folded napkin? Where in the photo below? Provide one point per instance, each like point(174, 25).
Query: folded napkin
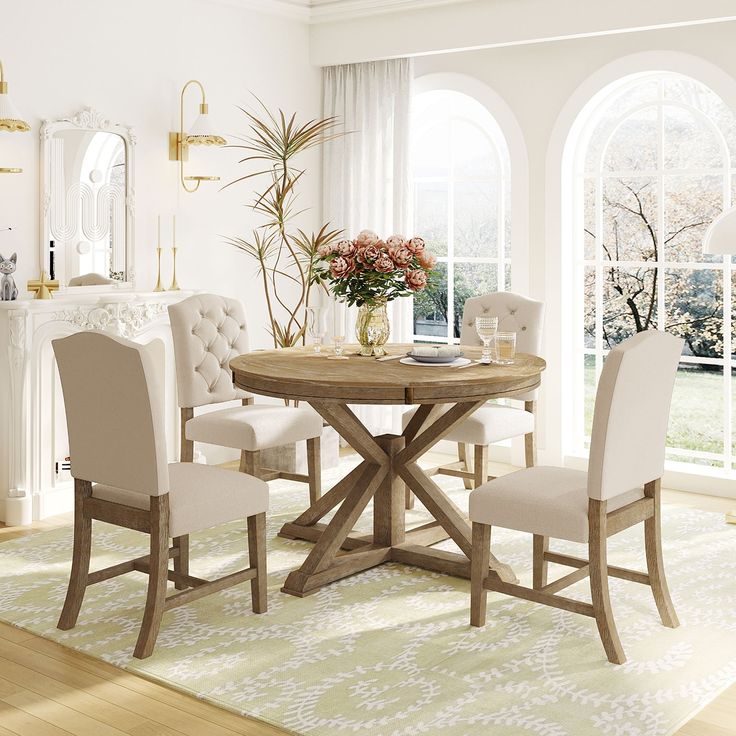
point(425, 351)
point(448, 351)
point(436, 351)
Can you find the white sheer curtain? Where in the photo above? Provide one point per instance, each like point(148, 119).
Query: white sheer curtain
point(367, 177)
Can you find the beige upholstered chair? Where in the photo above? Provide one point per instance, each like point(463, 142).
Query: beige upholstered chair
point(620, 489)
point(114, 412)
point(209, 331)
point(495, 422)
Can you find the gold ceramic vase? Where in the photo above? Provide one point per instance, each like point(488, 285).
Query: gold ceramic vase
point(372, 328)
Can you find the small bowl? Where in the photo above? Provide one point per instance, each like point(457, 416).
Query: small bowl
point(434, 358)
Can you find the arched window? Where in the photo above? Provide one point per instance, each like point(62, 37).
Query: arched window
point(654, 166)
point(460, 168)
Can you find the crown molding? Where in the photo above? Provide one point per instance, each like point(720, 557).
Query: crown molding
point(326, 11)
point(293, 9)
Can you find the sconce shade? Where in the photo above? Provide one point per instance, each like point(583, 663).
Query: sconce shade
point(10, 119)
point(201, 134)
point(720, 237)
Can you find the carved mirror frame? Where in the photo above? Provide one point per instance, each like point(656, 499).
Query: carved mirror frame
point(90, 120)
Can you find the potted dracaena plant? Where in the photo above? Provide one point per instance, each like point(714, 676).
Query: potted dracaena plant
point(285, 254)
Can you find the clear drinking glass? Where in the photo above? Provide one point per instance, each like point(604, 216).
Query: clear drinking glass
point(485, 328)
point(339, 327)
point(315, 328)
point(504, 348)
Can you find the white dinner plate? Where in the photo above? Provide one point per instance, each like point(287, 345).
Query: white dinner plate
point(455, 363)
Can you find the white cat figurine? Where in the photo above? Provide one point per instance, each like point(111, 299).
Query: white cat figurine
point(8, 290)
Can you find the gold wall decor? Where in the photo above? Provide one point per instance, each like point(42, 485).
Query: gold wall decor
point(200, 134)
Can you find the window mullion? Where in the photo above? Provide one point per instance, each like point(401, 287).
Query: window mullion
point(600, 182)
point(727, 269)
point(451, 234)
point(661, 258)
point(501, 244)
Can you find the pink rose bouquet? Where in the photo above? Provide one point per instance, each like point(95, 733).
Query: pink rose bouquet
point(369, 270)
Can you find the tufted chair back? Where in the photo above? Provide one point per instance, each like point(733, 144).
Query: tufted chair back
point(209, 331)
point(515, 313)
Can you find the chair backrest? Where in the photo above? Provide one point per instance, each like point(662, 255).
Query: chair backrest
point(516, 313)
point(209, 331)
point(114, 411)
point(632, 409)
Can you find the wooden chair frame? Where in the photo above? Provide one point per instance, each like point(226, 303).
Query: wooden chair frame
point(602, 525)
point(250, 460)
point(154, 522)
point(474, 472)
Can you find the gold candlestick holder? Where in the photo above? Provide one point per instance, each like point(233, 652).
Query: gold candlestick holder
point(174, 286)
point(158, 286)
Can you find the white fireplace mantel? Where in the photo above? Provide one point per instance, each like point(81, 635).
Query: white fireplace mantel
point(33, 484)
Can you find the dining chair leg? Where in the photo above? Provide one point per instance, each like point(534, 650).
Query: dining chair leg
point(480, 465)
point(187, 446)
point(655, 563)
point(598, 558)
point(257, 557)
point(80, 557)
point(250, 462)
point(530, 443)
point(314, 469)
point(157, 577)
point(463, 457)
point(540, 565)
point(181, 561)
point(480, 559)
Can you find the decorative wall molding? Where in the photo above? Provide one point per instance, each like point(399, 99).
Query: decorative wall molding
point(121, 318)
point(17, 361)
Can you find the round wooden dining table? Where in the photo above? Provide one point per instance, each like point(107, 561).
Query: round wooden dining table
point(389, 461)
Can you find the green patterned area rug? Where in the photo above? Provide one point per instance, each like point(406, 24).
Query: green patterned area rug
point(389, 652)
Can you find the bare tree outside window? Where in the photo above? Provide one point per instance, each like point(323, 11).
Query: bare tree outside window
point(654, 171)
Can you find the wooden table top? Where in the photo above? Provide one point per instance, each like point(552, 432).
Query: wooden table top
point(297, 373)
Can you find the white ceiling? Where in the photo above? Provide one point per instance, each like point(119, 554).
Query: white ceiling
point(324, 11)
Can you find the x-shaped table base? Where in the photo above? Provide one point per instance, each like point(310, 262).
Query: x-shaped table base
point(389, 462)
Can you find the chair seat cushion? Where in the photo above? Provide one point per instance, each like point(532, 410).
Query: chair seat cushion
point(255, 427)
point(552, 502)
point(491, 423)
point(200, 497)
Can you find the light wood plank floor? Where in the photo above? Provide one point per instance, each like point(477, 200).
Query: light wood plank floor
point(49, 690)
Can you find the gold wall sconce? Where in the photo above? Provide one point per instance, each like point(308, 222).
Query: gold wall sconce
point(10, 119)
point(200, 134)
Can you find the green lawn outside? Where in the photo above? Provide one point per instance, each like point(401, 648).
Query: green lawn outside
point(696, 417)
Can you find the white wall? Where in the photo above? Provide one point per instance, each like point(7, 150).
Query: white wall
point(129, 59)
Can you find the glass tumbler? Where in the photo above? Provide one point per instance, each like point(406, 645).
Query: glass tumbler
point(504, 348)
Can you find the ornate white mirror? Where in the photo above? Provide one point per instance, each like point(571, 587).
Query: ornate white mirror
point(87, 205)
